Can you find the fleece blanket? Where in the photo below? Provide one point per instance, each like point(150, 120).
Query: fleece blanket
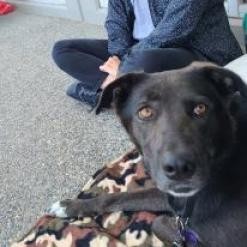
point(118, 229)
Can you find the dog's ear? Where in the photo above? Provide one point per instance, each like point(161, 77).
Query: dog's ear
point(225, 81)
point(118, 90)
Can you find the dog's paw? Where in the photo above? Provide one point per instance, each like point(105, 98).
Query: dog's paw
point(69, 209)
point(58, 209)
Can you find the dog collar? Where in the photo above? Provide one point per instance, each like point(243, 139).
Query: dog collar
point(186, 237)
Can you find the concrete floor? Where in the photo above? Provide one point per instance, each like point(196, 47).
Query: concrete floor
point(49, 144)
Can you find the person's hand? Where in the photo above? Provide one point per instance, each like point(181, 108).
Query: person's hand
point(111, 66)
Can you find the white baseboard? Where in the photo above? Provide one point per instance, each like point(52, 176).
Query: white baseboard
point(43, 9)
point(235, 22)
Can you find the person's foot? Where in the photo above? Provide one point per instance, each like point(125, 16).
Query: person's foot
point(78, 91)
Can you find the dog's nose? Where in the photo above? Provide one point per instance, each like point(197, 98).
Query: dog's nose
point(178, 168)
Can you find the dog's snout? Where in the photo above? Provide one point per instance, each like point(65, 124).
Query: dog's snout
point(178, 168)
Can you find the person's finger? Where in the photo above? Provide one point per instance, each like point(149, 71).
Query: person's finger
point(105, 63)
point(103, 67)
point(110, 67)
point(103, 70)
point(106, 69)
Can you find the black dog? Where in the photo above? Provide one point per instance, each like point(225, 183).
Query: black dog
point(190, 127)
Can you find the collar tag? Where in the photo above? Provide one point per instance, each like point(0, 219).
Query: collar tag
point(186, 237)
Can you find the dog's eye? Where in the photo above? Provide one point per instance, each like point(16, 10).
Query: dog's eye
point(200, 110)
point(146, 113)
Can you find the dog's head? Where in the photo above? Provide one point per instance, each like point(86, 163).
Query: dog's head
point(182, 122)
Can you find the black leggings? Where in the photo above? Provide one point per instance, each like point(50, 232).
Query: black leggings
point(81, 58)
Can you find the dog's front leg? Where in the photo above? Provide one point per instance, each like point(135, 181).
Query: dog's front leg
point(144, 200)
point(165, 228)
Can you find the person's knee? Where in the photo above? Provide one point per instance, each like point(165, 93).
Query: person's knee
point(58, 49)
point(142, 61)
point(156, 60)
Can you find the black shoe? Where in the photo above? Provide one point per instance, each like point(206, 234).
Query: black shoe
point(78, 91)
